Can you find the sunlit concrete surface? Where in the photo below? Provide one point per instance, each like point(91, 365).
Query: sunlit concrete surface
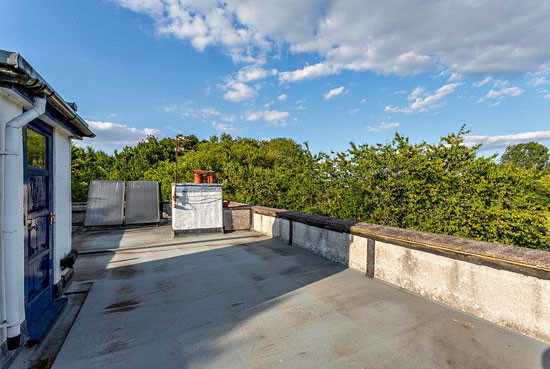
point(253, 302)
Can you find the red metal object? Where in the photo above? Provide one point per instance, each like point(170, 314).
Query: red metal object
point(210, 177)
point(198, 175)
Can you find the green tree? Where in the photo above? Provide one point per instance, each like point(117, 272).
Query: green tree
point(528, 155)
point(444, 187)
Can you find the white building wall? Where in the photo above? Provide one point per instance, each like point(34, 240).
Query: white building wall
point(9, 109)
point(61, 199)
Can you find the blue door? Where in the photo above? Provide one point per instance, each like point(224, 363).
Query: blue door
point(37, 149)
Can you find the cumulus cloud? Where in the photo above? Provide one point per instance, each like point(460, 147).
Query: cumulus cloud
point(383, 126)
point(422, 101)
point(538, 80)
point(401, 37)
point(253, 73)
point(502, 93)
point(308, 72)
point(274, 117)
point(416, 93)
point(334, 92)
point(205, 114)
point(111, 136)
point(224, 127)
point(281, 97)
point(484, 81)
point(502, 141)
point(238, 91)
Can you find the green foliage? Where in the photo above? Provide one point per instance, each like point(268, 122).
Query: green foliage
point(442, 188)
point(528, 155)
point(87, 165)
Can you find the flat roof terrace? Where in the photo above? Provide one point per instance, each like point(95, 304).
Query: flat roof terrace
point(244, 300)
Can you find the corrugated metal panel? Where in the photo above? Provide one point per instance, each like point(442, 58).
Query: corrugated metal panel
point(142, 202)
point(105, 203)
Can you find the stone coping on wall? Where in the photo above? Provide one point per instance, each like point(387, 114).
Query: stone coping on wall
point(522, 260)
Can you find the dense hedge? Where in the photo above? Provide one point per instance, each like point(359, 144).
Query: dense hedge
point(443, 188)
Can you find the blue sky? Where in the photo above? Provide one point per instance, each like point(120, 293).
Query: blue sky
point(323, 71)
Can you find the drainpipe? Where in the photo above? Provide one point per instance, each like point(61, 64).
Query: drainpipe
point(12, 143)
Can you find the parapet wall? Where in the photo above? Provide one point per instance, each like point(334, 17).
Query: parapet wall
point(506, 285)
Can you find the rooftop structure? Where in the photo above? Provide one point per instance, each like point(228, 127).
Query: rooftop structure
point(36, 129)
point(248, 300)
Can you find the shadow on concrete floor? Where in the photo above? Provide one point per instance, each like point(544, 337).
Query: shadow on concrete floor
point(262, 303)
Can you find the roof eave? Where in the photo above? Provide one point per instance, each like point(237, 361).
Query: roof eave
point(14, 69)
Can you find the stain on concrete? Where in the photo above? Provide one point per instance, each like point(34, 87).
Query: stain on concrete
point(124, 272)
point(125, 290)
point(122, 306)
point(258, 277)
point(44, 363)
point(114, 347)
point(166, 286)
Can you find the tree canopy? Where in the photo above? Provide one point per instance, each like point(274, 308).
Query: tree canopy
point(528, 155)
point(443, 188)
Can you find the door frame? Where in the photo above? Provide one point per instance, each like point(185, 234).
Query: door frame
point(46, 130)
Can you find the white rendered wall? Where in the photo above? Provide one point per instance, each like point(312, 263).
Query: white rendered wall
point(198, 207)
point(509, 299)
point(9, 109)
point(61, 199)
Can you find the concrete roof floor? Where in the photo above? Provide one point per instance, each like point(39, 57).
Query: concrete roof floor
point(244, 300)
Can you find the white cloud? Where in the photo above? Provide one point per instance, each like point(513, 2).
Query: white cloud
point(484, 81)
point(205, 114)
point(238, 91)
point(353, 111)
point(363, 101)
point(416, 93)
point(209, 112)
point(224, 127)
point(169, 108)
point(425, 103)
point(502, 141)
point(538, 80)
point(383, 126)
point(455, 77)
point(274, 117)
point(502, 93)
point(281, 97)
point(402, 37)
point(334, 92)
point(115, 136)
point(253, 73)
point(308, 72)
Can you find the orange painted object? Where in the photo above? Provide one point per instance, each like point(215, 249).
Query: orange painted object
point(198, 175)
point(210, 178)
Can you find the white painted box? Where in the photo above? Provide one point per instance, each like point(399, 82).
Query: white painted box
point(197, 208)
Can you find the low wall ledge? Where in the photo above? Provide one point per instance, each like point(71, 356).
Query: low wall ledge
point(526, 261)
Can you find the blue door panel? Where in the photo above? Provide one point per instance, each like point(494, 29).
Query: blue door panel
point(38, 234)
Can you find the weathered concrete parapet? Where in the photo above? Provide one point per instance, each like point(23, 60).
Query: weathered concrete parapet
point(237, 218)
point(507, 285)
point(518, 259)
